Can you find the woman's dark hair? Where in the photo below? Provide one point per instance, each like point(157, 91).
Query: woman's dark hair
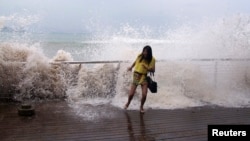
point(149, 56)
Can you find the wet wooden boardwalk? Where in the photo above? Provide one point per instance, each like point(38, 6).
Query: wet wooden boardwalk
point(56, 121)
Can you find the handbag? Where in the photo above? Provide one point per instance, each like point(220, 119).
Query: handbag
point(152, 84)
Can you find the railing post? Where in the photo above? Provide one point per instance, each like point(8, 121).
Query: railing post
point(215, 74)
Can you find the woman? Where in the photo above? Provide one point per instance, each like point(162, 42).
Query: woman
point(144, 63)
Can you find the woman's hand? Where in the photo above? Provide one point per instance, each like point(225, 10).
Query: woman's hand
point(145, 67)
point(148, 68)
point(129, 69)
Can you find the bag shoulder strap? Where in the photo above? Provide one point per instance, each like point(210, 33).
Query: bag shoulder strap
point(152, 75)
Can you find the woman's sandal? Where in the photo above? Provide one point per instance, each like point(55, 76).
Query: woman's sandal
point(142, 111)
point(125, 107)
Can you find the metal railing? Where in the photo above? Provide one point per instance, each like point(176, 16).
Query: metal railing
point(214, 67)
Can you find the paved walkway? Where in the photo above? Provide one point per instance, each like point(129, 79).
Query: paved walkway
point(56, 121)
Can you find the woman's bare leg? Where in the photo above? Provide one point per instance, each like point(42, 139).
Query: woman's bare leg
point(131, 95)
point(144, 96)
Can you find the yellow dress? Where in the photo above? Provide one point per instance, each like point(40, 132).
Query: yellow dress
point(140, 72)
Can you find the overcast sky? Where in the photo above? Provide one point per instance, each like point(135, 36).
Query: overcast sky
point(84, 15)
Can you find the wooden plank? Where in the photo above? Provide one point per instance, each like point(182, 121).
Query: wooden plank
point(57, 121)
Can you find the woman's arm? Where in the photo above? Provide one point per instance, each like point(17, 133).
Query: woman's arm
point(152, 69)
point(130, 68)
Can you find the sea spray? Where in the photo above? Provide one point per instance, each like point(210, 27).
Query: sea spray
point(26, 74)
point(12, 58)
point(95, 88)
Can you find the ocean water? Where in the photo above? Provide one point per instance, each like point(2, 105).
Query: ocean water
point(203, 65)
